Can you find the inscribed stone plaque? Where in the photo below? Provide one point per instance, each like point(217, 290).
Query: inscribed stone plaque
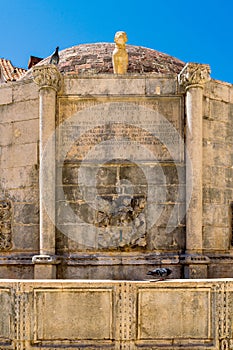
point(155, 125)
point(69, 314)
point(174, 314)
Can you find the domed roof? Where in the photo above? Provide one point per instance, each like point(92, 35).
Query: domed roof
point(97, 59)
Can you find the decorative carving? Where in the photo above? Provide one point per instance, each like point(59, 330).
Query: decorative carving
point(47, 76)
point(20, 326)
point(129, 218)
point(120, 55)
point(126, 210)
point(126, 314)
point(223, 316)
point(5, 225)
point(194, 74)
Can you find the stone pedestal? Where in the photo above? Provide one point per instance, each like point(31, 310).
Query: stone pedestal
point(45, 266)
point(195, 266)
point(49, 80)
point(192, 78)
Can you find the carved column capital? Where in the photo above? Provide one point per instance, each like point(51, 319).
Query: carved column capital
point(47, 76)
point(194, 74)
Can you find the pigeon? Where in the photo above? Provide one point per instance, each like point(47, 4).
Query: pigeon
point(55, 57)
point(161, 272)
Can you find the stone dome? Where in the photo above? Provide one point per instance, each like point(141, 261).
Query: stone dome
point(97, 59)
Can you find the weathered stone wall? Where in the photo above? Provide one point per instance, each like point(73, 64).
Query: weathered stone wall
point(19, 175)
point(113, 196)
point(94, 114)
point(217, 167)
point(195, 314)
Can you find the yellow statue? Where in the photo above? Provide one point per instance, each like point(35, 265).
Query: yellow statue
point(120, 55)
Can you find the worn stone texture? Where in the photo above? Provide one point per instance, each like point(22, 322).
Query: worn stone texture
point(217, 168)
point(116, 314)
point(121, 172)
point(111, 194)
point(6, 95)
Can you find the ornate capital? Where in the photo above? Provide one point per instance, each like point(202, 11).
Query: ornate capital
point(47, 76)
point(194, 74)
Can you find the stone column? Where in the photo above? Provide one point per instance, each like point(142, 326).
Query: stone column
point(192, 78)
point(49, 80)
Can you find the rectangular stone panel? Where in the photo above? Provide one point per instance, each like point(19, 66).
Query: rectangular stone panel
point(96, 86)
point(136, 129)
point(174, 314)
point(74, 314)
point(6, 316)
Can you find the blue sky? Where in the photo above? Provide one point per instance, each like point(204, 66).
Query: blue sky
point(193, 31)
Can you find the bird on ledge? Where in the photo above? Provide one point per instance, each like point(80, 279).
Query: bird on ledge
point(55, 57)
point(161, 272)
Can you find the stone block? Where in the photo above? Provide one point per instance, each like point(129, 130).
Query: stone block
point(69, 213)
point(25, 110)
point(215, 130)
point(105, 86)
point(216, 238)
point(79, 237)
point(216, 215)
point(26, 131)
point(25, 91)
point(218, 90)
point(24, 194)
point(19, 155)
point(5, 95)
point(132, 173)
point(19, 177)
point(44, 271)
point(214, 175)
point(219, 111)
point(71, 193)
point(6, 132)
point(166, 194)
point(195, 271)
point(213, 195)
point(163, 215)
point(25, 271)
point(164, 174)
point(26, 213)
point(159, 238)
point(217, 153)
point(160, 86)
point(25, 238)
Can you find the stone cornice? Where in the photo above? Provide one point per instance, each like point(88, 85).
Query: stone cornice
point(194, 74)
point(47, 77)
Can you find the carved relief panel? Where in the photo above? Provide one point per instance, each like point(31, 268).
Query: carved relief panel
point(5, 225)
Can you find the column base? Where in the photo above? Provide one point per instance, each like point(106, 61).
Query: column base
point(45, 266)
point(195, 266)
